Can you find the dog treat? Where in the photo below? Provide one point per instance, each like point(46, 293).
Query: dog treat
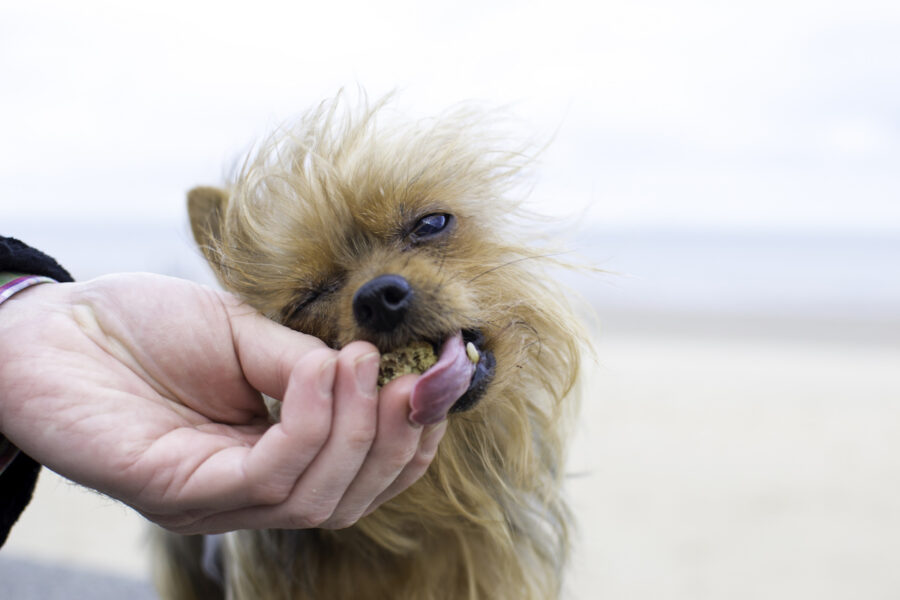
point(416, 358)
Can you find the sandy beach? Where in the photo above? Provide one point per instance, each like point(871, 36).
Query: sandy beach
point(737, 469)
point(711, 466)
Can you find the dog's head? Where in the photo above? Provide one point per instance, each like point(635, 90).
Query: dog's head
point(348, 231)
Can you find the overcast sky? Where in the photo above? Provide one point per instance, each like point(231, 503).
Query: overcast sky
point(680, 114)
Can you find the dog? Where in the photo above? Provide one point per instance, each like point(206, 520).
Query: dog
point(321, 224)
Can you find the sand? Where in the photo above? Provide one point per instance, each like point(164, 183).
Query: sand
point(739, 469)
point(719, 467)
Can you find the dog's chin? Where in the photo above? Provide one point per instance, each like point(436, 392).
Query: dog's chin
point(456, 382)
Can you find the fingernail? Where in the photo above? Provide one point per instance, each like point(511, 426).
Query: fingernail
point(326, 376)
point(366, 370)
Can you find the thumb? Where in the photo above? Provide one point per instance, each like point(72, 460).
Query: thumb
point(266, 350)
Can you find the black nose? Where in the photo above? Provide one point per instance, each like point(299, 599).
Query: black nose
point(382, 303)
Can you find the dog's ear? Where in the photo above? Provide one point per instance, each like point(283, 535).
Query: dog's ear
point(206, 206)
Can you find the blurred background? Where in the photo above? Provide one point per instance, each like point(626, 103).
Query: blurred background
point(734, 168)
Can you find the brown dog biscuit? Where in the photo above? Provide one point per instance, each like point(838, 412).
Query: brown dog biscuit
point(415, 358)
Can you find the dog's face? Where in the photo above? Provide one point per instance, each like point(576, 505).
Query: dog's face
point(389, 271)
point(391, 239)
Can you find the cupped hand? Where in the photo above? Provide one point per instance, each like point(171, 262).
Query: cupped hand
point(147, 388)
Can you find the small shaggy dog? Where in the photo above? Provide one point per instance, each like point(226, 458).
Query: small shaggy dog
point(347, 228)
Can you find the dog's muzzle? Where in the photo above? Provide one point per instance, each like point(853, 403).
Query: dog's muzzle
point(457, 381)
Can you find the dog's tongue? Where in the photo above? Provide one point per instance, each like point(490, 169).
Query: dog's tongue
point(440, 386)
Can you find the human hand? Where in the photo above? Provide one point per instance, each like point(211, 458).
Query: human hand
point(146, 388)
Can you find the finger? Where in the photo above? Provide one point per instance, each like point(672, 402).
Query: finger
point(230, 476)
point(352, 433)
point(415, 468)
point(395, 445)
point(288, 448)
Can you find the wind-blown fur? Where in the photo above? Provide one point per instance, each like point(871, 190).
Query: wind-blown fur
point(325, 207)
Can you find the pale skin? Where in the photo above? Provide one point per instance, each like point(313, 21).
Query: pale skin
point(147, 388)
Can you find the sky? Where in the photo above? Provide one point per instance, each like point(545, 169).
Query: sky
point(699, 114)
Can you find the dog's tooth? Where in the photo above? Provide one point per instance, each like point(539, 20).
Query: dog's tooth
point(472, 353)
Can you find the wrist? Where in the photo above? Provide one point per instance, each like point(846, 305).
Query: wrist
point(11, 284)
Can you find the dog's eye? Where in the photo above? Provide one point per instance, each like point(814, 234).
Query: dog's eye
point(293, 310)
point(430, 225)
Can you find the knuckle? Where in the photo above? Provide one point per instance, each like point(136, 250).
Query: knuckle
point(312, 511)
point(174, 521)
point(269, 494)
point(181, 526)
point(421, 461)
point(361, 438)
point(311, 518)
point(397, 458)
point(342, 521)
point(316, 434)
point(269, 488)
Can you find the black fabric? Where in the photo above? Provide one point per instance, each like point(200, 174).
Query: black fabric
point(16, 257)
point(16, 487)
point(18, 480)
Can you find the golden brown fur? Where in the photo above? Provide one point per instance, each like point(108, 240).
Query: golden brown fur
point(321, 210)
